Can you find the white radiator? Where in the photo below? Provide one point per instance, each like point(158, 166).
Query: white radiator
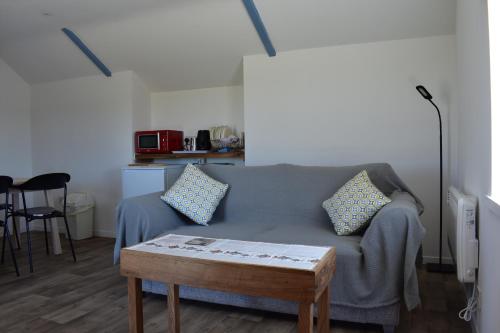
point(462, 238)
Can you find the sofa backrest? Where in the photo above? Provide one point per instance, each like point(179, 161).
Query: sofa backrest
point(288, 190)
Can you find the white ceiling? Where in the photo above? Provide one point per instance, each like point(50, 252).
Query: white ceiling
point(188, 44)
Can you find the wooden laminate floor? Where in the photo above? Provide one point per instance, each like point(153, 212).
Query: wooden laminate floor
point(91, 296)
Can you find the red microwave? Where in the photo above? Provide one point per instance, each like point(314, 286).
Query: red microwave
point(158, 142)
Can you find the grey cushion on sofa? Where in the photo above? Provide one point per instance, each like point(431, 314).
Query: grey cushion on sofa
point(282, 204)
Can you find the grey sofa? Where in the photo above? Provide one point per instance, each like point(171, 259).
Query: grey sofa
point(376, 270)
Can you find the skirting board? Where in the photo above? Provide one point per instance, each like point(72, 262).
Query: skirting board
point(431, 259)
point(104, 233)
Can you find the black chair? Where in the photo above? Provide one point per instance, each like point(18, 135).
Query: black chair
point(5, 184)
point(51, 181)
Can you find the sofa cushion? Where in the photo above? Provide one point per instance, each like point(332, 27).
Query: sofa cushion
point(271, 230)
point(354, 204)
point(195, 194)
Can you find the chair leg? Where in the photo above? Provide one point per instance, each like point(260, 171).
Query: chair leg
point(46, 238)
point(11, 247)
point(14, 198)
point(29, 245)
point(16, 235)
point(69, 237)
point(3, 243)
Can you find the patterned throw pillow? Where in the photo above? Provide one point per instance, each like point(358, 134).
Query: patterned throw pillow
point(354, 204)
point(195, 194)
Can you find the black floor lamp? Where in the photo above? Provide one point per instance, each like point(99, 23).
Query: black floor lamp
point(439, 267)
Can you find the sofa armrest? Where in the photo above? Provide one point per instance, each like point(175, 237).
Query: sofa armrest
point(392, 241)
point(142, 218)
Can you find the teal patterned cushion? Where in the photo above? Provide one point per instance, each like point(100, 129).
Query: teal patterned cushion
point(195, 194)
point(354, 204)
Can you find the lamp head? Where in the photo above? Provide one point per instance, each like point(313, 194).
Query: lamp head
point(425, 94)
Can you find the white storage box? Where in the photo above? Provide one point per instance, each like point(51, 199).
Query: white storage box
point(80, 213)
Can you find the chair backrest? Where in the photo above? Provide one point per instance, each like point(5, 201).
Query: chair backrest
point(49, 181)
point(5, 184)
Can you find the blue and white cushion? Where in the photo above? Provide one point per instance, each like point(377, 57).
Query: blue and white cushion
point(195, 194)
point(354, 204)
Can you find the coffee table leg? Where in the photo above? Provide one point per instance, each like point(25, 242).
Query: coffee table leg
point(174, 324)
point(306, 317)
point(324, 311)
point(135, 321)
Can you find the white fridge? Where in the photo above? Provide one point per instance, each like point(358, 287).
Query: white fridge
point(140, 180)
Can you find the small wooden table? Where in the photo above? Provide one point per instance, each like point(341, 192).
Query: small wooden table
point(290, 272)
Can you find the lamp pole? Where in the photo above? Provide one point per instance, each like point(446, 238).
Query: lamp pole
point(440, 267)
point(440, 187)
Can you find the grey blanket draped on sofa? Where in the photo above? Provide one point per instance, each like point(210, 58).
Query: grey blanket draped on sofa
point(282, 204)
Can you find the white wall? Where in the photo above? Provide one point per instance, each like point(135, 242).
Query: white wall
point(15, 129)
point(84, 127)
point(192, 110)
point(474, 154)
point(354, 104)
point(141, 104)
point(141, 107)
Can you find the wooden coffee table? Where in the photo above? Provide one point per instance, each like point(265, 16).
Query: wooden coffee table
point(290, 272)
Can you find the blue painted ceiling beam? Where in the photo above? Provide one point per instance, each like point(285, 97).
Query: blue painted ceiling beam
point(78, 42)
point(259, 26)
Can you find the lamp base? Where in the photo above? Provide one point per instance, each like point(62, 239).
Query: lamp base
point(440, 268)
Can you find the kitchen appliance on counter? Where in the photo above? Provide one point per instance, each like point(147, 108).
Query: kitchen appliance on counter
point(158, 141)
point(203, 140)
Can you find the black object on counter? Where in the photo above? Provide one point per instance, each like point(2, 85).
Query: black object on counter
point(203, 140)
